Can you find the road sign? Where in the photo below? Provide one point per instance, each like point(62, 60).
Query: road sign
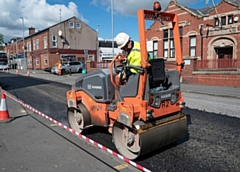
point(86, 52)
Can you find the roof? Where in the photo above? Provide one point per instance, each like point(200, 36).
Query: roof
point(233, 2)
point(206, 10)
point(41, 31)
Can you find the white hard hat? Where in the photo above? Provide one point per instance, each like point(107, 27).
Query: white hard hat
point(121, 39)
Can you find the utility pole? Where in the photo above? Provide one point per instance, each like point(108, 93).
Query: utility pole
point(98, 53)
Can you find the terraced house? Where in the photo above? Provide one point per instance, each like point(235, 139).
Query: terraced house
point(210, 39)
point(70, 38)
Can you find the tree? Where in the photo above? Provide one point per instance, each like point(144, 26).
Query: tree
point(1, 42)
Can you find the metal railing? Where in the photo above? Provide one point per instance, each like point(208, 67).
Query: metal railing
point(217, 64)
point(201, 65)
point(100, 64)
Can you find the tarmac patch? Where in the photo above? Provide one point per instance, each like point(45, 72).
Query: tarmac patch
point(2, 147)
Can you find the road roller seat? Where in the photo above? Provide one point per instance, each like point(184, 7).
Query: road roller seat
point(156, 73)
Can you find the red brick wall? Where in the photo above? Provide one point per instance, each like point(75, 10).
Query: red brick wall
point(219, 78)
point(213, 79)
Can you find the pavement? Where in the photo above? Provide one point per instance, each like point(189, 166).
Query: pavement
point(32, 143)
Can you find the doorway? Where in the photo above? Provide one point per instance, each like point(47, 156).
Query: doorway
point(224, 56)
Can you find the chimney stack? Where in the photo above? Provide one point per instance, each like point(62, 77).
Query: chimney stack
point(31, 30)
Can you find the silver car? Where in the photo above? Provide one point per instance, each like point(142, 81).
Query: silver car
point(3, 65)
point(69, 67)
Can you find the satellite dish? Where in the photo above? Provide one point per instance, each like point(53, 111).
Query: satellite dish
point(60, 33)
point(235, 19)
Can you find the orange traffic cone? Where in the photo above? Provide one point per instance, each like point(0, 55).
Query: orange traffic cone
point(3, 70)
point(4, 115)
point(17, 72)
point(28, 74)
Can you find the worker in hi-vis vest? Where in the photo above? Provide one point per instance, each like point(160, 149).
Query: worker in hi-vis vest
point(131, 50)
point(60, 68)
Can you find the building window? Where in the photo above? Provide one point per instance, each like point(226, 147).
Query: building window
point(230, 19)
point(216, 21)
point(45, 61)
point(165, 33)
point(223, 20)
point(34, 44)
point(90, 57)
point(172, 50)
point(181, 31)
point(78, 25)
point(54, 41)
point(37, 44)
point(165, 48)
point(155, 49)
point(29, 46)
point(37, 61)
point(192, 46)
point(168, 42)
point(45, 42)
point(71, 25)
point(171, 33)
point(29, 62)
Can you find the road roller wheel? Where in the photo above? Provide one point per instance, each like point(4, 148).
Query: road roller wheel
point(76, 120)
point(126, 140)
point(80, 118)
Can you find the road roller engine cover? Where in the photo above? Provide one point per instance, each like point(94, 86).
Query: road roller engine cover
point(145, 112)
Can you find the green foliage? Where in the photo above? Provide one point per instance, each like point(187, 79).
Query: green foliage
point(1, 39)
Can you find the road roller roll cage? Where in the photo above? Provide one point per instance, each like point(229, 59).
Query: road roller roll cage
point(146, 65)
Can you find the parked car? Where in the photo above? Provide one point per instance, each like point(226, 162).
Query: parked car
point(67, 67)
point(3, 65)
point(47, 69)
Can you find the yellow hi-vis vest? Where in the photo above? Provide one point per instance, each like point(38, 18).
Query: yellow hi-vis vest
point(134, 57)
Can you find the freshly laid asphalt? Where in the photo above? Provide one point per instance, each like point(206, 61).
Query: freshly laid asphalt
point(32, 143)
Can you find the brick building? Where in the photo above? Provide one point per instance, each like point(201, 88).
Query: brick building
point(210, 39)
point(70, 38)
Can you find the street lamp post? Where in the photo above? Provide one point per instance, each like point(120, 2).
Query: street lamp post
point(112, 28)
point(98, 54)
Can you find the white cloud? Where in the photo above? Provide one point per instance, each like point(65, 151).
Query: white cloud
point(130, 7)
point(36, 13)
point(40, 15)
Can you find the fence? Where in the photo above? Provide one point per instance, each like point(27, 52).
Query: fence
point(201, 65)
point(100, 64)
point(218, 64)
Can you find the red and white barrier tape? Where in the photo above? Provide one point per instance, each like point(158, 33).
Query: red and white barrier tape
point(78, 134)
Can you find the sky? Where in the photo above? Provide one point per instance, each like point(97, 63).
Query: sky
point(17, 16)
